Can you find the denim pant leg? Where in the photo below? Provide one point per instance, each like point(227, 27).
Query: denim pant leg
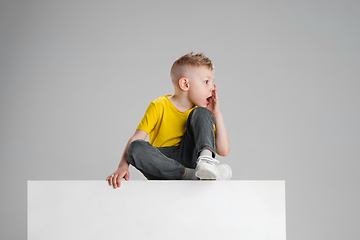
point(155, 163)
point(199, 135)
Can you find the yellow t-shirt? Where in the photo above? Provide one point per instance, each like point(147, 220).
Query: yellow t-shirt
point(164, 123)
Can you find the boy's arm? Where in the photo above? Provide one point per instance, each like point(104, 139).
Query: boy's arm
point(123, 168)
point(222, 142)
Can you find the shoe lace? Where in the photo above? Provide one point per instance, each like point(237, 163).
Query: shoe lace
point(209, 159)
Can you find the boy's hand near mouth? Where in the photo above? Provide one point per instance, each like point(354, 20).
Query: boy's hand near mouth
point(213, 103)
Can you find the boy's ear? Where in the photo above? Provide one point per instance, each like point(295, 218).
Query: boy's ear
point(184, 84)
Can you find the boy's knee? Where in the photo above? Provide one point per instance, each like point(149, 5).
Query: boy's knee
point(202, 113)
point(134, 147)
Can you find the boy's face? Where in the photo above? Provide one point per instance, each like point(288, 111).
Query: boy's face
point(201, 86)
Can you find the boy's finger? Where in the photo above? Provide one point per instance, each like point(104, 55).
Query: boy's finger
point(127, 176)
point(214, 90)
point(118, 181)
point(109, 181)
point(114, 180)
point(114, 183)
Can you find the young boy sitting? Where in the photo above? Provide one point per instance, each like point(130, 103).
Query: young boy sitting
point(185, 130)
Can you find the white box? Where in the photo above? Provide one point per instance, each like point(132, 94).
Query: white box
point(168, 210)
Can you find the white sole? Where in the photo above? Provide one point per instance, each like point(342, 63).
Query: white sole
point(205, 175)
point(209, 173)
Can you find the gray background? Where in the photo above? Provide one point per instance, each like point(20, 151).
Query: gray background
point(77, 76)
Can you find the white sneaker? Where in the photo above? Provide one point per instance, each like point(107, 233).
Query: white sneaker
point(209, 168)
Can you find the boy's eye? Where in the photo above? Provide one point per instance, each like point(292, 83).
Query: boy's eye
point(206, 81)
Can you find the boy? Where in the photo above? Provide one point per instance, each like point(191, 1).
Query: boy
point(185, 129)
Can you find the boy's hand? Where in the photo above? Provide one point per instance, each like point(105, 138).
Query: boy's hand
point(115, 178)
point(214, 105)
point(123, 168)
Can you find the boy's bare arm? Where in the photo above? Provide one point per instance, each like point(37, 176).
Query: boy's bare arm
point(222, 142)
point(123, 168)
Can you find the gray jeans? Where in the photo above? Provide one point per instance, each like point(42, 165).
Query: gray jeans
point(168, 163)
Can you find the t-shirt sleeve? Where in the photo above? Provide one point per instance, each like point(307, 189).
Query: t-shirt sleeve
point(148, 122)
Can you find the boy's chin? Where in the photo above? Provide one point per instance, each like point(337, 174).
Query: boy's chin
point(205, 105)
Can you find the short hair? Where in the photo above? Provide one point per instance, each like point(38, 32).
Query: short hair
point(189, 59)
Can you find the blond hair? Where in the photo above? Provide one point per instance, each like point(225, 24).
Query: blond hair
point(180, 66)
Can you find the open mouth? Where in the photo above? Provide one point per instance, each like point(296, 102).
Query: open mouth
point(208, 100)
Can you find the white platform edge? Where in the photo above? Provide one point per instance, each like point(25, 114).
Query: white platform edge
point(236, 209)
